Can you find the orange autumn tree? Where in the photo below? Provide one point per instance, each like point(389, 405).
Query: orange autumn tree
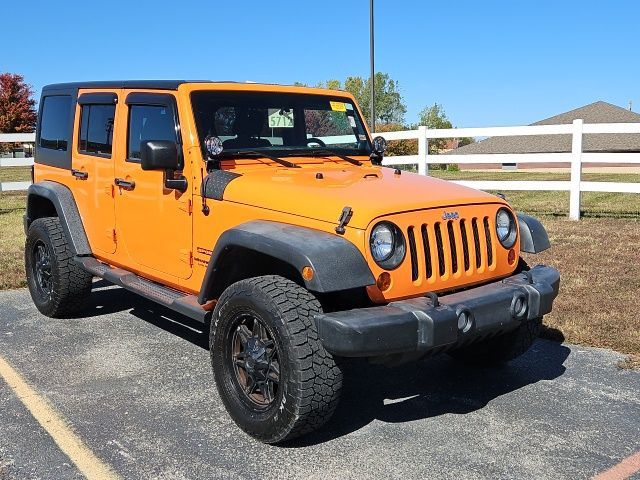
point(17, 106)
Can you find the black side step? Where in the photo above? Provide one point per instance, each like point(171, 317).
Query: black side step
point(180, 302)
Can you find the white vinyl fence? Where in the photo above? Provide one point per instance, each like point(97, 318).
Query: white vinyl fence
point(576, 157)
point(16, 162)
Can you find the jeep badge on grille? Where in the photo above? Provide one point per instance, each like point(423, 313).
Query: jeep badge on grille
point(450, 216)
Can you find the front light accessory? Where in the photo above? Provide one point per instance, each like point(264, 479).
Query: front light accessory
point(387, 245)
point(506, 228)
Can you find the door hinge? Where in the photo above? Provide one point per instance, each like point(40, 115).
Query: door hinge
point(112, 234)
point(186, 207)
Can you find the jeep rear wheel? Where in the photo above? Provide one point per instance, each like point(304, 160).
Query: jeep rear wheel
point(58, 286)
point(274, 377)
point(500, 349)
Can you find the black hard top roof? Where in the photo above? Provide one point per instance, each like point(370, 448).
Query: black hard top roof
point(147, 84)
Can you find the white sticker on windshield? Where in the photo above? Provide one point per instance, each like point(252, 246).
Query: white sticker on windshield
point(280, 118)
point(352, 121)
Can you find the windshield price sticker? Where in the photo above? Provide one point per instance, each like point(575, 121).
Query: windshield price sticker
point(338, 106)
point(352, 121)
point(280, 119)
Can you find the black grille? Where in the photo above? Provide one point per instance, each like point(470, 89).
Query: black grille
point(427, 250)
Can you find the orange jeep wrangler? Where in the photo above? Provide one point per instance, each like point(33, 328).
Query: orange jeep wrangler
point(263, 211)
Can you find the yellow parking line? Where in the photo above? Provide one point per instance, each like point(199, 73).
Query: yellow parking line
point(86, 461)
point(627, 467)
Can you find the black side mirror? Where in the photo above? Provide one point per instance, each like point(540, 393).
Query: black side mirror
point(159, 155)
point(379, 146)
point(163, 155)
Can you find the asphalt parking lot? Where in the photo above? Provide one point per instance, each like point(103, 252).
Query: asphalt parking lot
point(133, 382)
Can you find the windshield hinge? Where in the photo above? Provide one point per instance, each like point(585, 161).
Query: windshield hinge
point(343, 221)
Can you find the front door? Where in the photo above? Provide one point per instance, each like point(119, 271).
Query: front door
point(153, 223)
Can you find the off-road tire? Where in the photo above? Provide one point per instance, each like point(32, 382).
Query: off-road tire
point(309, 379)
point(70, 285)
point(500, 349)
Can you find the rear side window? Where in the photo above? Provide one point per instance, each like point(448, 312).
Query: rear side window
point(149, 122)
point(96, 129)
point(55, 133)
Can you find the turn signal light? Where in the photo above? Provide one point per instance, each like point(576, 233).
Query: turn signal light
point(384, 281)
point(307, 273)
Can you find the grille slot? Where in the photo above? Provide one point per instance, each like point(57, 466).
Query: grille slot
point(427, 251)
point(476, 242)
point(487, 233)
point(441, 261)
point(452, 245)
point(413, 253)
point(465, 245)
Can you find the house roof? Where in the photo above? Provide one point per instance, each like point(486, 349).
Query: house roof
point(597, 112)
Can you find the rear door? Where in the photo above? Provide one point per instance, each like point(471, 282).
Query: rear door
point(153, 223)
point(92, 167)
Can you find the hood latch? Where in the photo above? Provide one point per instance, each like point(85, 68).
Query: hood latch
point(343, 221)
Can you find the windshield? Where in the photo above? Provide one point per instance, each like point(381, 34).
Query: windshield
point(280, 123)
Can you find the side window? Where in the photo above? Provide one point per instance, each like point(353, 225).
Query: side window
point(149, 122)
point(54, 122)
point(96, 129)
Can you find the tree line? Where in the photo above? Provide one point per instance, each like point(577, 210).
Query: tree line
point(390, 111)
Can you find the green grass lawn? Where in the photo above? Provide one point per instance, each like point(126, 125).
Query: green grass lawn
point(515, 175)
point(11, 240)
point(15, 174)
point(594, 204)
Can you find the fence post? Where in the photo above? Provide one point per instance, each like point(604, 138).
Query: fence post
point(423, 150)
point(576, 170)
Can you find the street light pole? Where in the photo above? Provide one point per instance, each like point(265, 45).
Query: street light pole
point(373, 73)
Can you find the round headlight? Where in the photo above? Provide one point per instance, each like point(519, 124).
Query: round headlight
point(387, 245)
point(506, 228)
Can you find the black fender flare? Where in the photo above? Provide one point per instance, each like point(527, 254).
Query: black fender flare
point(533, 236)
point(337, 263)
point(65, 205)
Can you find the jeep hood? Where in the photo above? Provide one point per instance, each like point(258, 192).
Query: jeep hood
point(321, 192)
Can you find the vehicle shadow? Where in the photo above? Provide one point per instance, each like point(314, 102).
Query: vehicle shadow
point(429, 388)
point(108, 299)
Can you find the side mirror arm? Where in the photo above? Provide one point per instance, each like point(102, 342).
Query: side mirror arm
point(180, 184)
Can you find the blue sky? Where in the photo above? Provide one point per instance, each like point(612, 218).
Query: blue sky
point(488, 63)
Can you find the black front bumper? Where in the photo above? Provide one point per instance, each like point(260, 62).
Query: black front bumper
point(417, 325)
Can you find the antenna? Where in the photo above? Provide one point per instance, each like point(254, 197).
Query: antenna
point(630, 105)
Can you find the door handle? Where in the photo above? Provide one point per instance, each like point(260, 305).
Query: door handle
point(125, 184)
point(79, 174)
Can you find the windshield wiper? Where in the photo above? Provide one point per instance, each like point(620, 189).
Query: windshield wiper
point(256, 154)
point(327, 151)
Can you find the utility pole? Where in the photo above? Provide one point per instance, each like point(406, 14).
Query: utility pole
point(373, 72)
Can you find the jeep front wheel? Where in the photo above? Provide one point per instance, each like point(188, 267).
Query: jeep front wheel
point(274, 377)
point(58, 286)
